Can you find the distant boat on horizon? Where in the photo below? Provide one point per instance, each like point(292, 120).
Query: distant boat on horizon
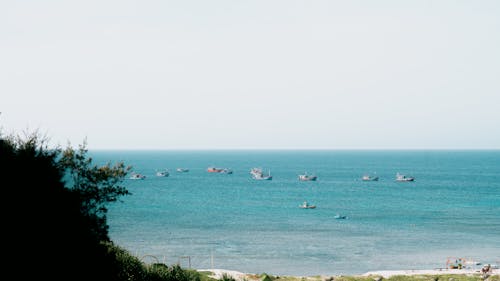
point(306, 177)
point(257, 174)
point(306, 205)
point(401, 177)
point(214, 170)
point(368, 177)
point(219, 170)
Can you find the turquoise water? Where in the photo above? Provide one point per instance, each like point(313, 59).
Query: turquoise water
point(235, 222)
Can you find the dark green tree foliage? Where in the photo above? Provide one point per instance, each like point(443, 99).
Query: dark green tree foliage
point(52, 232)
point(95, 186)
point(54, 217)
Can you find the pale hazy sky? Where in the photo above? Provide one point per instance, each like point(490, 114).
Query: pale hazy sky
point(253, 74)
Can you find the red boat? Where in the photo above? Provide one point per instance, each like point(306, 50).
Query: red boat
point(214, 170)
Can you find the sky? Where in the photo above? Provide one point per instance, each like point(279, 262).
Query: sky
point(252, 74)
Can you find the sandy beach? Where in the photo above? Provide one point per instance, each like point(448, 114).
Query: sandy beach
point(389, 273)
point(241, 276)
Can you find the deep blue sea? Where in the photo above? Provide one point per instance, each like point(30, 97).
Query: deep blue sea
point(232, 221)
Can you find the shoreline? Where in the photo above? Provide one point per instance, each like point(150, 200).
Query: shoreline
point(242, 276)
point(440, 271)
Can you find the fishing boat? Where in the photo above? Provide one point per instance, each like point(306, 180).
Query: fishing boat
point(182, 170)
point(369, 178)
point(306, 205)
point(401, 177)
point(214, 170)
point(257, 174)
point(306, 177)
point(136, 176)
point(263, 177)
point(219, 170)
point(163, 173)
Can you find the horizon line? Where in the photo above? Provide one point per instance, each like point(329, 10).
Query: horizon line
point(296, 149)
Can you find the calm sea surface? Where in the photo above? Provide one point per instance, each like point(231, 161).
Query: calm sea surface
point(231, 221)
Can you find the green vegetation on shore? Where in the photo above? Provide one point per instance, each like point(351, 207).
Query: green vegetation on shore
point(131, 268)
point(54, 210)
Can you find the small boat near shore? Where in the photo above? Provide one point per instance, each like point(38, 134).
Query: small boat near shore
point(306, 205)
point(137, 176)
point(401, 177)
point(163, 173)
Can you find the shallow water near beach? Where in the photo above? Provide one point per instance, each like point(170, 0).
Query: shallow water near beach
point(230, 221)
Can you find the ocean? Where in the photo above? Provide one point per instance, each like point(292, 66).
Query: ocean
point(231, 221)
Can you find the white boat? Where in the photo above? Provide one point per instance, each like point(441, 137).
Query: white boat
point(340, 217)
point(226, 171)
point(256, 171)
point(262, 177)
point(136, 176)
point(182, 170)
point(306, 177)
point(163, 173)
point(400, 177)
point(257, 174)
point(369, 178)
point(306, 205)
